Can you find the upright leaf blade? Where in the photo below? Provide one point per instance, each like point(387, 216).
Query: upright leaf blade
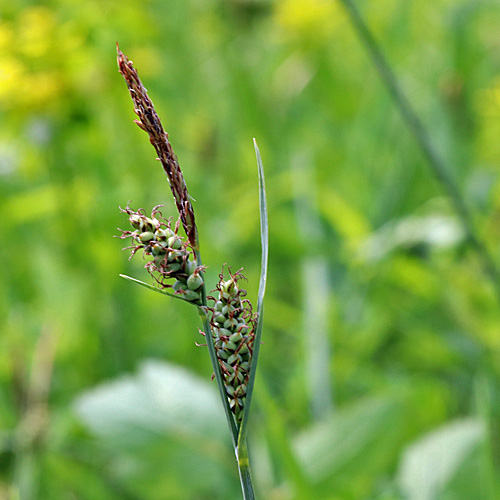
point(264, 236)
point(264, 230)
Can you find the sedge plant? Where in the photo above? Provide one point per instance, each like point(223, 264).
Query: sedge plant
point(230, 325)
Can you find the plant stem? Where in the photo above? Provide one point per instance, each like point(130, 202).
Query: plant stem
point(213, 356)
point(435, 162)
point(220, 384)
point(240, 451)
point(244, 470)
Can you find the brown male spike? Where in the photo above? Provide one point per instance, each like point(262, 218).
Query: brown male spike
point(149, 121)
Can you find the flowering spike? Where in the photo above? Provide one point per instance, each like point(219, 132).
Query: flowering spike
point(233, 332)
point(172, 258)
point(150, 123)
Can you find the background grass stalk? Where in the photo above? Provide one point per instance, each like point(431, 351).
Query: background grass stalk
point(437, 165)
point(317, 294)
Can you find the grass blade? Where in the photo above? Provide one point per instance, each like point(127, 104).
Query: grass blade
point(264, 235)
point(155, 289)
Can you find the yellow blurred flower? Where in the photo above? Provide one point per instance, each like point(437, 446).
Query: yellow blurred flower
point(20, 88)
point(12, 72)
point(310, 19)
point(37, 52)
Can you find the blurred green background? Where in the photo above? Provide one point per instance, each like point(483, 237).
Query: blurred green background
point(379, 376)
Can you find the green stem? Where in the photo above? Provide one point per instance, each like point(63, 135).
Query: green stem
point(240, 451)
point(415, 125)
point(218, 377)
point(244, 470)
point(202, 311)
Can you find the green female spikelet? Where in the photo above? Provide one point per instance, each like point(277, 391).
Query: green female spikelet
point(172, 257)
point(233, 332)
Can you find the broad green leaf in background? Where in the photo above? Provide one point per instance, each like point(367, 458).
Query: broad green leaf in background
point(430, 463)
point(158, 427)
point(437, 231)
point(331, 444)
point(161, 399)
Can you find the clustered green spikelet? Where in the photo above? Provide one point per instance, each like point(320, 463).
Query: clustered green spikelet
point(233, 333)
point(173, 258)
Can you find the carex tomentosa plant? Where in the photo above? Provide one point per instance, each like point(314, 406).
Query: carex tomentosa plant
point(230, 325)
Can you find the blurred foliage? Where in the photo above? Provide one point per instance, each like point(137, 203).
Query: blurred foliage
point(379, 376)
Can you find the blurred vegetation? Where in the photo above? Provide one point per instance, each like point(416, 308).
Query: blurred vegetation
point(379, 376)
